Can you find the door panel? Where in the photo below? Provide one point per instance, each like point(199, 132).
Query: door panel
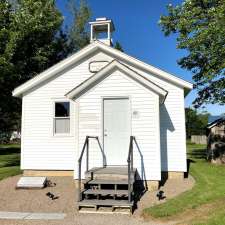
point(116, 130)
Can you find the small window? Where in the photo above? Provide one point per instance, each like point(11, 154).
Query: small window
point(62, 118)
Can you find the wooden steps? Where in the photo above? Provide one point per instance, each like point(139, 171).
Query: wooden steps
point(107, 187)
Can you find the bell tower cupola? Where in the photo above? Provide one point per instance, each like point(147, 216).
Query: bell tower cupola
point(101, 30)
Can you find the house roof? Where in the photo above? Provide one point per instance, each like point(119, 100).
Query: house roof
point(52, 71)
point(216, 122)
point(104, 72)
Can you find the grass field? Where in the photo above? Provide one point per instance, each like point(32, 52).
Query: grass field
point(9, 160)
point(207, 198)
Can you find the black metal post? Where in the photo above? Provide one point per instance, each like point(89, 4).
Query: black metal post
point(79, 180)
point(129, 183)
point(79, 169)
point(87, 155)
point(131, 154)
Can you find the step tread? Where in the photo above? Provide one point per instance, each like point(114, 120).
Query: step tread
point(101, 181)
point(108, 202)
point(106, 192)
point(116, 170)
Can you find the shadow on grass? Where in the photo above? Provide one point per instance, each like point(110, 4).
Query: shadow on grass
point(9, 150)
point(11, 162)
point(197, 153)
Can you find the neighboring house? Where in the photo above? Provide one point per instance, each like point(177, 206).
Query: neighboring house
point(100, 91)
point(215, 132)
point(217, 127)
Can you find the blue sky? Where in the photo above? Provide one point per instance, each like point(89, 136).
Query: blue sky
point(137, 29)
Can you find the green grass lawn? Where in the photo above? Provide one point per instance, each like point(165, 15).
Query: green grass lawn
point(209, 189)
point(9, 160)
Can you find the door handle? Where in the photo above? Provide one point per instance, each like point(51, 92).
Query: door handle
point(105, 135)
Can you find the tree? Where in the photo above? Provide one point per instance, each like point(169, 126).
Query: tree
point(201, 31)
point(195, 122)
point(78, 35)
point(30, 42)
point(118, 46)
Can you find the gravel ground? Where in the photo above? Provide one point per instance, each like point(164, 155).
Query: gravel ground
point(36, 201)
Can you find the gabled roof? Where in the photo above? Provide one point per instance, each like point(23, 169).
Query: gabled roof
point(96, 45)
point(104, 72)
point(216, 122)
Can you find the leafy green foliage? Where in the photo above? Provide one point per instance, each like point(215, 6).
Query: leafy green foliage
point(201, 31)
point(32, 40)
point(195, 122)
point(118, 46)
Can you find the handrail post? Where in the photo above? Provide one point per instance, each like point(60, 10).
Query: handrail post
point(131, 154)
point(129, 181)
point(79, 169)
point(87, 155)
point(86, 145)
point(103, 154)
point(79, 180)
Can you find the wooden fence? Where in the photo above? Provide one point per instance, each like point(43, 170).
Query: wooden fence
point(199, 139)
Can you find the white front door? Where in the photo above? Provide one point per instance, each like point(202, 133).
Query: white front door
point(117, 120)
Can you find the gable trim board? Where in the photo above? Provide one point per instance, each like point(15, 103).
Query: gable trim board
point(18, 92)
point(104, 72)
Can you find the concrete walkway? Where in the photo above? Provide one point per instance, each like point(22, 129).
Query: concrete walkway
point(32, 216)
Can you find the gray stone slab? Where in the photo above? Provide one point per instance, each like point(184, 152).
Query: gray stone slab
point(32, 216)
point(31, 182)
point(45, 216)
point(13, 215)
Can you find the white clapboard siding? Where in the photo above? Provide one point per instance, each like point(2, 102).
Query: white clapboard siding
point(145, 128)
point(41, 150)
point(172, 125)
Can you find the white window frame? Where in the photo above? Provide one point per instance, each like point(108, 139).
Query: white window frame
point(66, 117)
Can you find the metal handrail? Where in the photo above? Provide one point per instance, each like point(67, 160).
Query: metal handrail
point(86, 146)
point(130, 167)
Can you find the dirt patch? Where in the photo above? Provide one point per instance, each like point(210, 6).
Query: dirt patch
point(37, 201)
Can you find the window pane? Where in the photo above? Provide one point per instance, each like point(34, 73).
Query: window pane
point(62, 125)
point(62, 109)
